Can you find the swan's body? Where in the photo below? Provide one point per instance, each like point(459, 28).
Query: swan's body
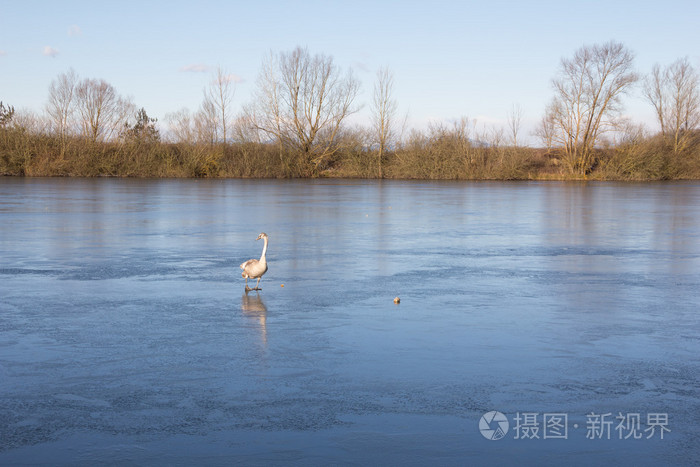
point(254, 268)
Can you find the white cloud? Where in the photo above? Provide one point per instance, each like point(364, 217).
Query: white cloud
point(488, 120)
point(50, 51)
point(232, 78)
point(74, 30)
point(2, 53)
point(196, 68)
point(202, 68)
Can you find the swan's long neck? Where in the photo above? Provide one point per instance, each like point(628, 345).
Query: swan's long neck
point(262, 256)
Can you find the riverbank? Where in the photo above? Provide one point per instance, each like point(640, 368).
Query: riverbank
point(445, 157)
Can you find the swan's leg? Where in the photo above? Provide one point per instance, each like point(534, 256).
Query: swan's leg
point(246, 285)
point(257, 286)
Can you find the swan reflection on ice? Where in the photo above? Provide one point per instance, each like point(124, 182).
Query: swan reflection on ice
point(254, 308)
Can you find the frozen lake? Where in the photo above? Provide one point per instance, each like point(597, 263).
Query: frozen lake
point(126, 336)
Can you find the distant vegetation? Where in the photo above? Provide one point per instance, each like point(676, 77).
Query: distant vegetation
point(296, 126)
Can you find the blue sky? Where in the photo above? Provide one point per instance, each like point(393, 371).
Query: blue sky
point(449, 58)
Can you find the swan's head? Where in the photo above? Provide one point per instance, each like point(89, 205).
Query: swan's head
point(262, 235)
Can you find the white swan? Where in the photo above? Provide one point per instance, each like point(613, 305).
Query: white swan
point(253, 268)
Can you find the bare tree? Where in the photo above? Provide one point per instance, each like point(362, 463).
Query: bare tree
point(515, 119)
point(206, 122)
point(202, 127)
point(302, 101)
point(655, 92)
point(30, 121)
point(545, 130)
point(383, 112)
point(244, 130)
point(587, 99)
point(675, 94)
point(219, 96)
point(61, 105)
point(180, 127)
point(102, 110)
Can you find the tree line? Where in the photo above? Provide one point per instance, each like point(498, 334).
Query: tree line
point(297, 126)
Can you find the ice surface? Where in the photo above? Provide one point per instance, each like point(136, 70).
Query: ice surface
point(126, 336)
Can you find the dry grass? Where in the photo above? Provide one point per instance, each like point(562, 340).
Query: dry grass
point(440, 153)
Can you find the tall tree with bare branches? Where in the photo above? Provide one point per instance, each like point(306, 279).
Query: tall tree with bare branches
point(302, 101)
point(383, 112)
point(206, 122)
point(102, 111)
point(587, 99)
point(219, 96)
point(675, 94)
point(515, 119)
point(61, 105)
